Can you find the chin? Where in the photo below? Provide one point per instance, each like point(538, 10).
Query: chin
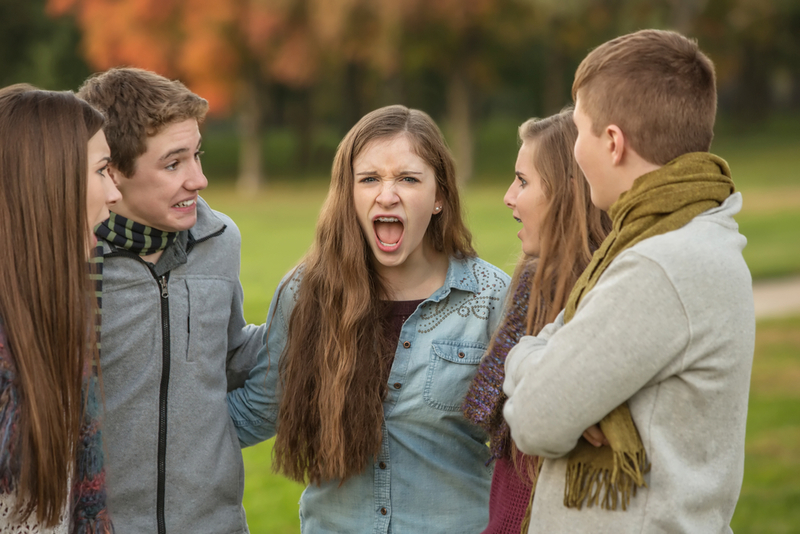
point(531, 251)
point(182, 225)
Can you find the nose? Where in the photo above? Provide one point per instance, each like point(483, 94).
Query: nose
point(510, 198)
point(388, 195)
point(111, 192)
point(196, 181)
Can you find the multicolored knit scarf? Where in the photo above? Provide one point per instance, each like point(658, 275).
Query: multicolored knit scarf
point(485, 399)
point(133, 236)
point(89, 510)
point(659, 202)
point(90, 515)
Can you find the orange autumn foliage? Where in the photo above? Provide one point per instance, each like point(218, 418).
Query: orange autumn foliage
point(214, 46)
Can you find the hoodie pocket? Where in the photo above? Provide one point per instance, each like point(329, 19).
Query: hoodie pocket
point(451, 368)
point(207, 319)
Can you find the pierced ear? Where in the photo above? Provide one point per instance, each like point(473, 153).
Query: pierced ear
point(616, 143)
point(437, 208)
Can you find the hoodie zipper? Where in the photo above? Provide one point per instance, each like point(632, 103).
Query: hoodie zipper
point(161, 462)
point(162, 404)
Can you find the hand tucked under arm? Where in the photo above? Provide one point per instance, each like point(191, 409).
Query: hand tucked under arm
point(626, 330)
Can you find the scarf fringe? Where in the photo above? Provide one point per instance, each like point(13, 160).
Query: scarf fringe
point(586, 482)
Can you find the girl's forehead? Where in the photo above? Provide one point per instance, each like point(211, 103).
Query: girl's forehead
point(392, 154)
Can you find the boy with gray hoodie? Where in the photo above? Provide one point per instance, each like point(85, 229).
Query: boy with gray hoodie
point(656, 342)
point(174, 338)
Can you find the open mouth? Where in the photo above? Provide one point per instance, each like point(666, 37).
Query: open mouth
point(185, 203)
point(388, 232)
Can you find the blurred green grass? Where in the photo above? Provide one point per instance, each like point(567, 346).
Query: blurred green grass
point(277, 227)
point(770, 498)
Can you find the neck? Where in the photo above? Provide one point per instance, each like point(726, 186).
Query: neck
point(153, 258)
point(416, 278)
point(636, 167)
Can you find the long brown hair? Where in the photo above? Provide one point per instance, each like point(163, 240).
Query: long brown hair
point(45, 303)
point(331, 410)
point(572, 228)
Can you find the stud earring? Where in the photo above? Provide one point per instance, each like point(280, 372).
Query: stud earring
point(438, 208)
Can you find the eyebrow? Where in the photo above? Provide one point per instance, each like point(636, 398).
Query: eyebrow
point(105, 159)
point(519, 174)
point(179, 151)
point(398, 174)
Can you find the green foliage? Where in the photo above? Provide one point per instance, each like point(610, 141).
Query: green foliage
point(36, 49)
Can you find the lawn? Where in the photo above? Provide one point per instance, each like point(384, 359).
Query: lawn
point(278, 224)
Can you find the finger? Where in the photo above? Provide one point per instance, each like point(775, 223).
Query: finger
point(588, 436)
point(597, 438)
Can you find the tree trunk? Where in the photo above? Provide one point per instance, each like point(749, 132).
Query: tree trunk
point(459, 119)
point(303, 124)
point(554, 94)
point(352, 97)
point(683, 14)
point(249, 129)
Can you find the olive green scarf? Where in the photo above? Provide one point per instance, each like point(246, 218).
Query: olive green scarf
point(659, 202)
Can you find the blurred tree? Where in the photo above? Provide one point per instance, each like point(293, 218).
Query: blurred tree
point(226, 51)
point(756, 48)
point(36, 49)
point(458, 40)
point(462, 40)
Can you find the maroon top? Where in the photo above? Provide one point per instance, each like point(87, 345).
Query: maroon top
point(508, 498)
point(398, 312)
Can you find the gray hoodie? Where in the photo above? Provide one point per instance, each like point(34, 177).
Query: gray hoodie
point(174, 341)
point(670, 329)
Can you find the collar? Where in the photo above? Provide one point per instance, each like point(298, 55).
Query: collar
point(461, 275)
point(208, 225)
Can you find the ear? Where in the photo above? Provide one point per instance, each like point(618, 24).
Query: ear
point(438, 204)
point(616, 143)
point(115, 175)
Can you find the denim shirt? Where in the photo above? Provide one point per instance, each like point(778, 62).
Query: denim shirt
point(431, 474)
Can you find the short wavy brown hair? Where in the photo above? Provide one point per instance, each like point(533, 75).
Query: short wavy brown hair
point(657, 86)
point(138, 104)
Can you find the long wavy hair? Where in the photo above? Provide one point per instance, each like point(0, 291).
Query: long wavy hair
point(572, 227)
point(329, 423)
point(45, 291)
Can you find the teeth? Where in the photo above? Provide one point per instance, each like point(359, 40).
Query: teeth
point(387, 219)
point(387, 244)
point(184, 204)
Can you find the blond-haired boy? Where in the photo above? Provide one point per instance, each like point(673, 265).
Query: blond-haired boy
point(656, 342)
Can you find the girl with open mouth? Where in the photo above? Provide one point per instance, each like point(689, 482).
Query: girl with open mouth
point(550, 198)
point(373, 341)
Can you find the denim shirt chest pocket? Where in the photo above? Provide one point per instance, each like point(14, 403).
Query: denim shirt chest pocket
point(451, 368)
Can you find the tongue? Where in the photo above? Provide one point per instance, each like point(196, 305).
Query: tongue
point(389, 232)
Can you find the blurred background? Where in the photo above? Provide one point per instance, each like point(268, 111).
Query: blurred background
point(286, 79)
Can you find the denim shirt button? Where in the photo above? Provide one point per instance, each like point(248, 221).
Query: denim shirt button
point(382, 465)
point(384, 511)
point(397, 385)
point(406, 344)
point(461, 354)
